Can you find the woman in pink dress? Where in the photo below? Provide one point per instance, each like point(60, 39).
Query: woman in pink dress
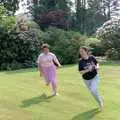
point(47, 64)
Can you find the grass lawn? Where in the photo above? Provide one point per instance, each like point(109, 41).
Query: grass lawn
point(22, 96)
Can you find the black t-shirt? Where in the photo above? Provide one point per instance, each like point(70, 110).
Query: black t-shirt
point(85, 64)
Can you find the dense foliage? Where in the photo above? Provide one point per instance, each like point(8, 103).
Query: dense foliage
point(10, 5)
point(7, 21)
point(20, 42)
point(53, 18)
point(109, 34)
point(52, 13)
point(86, 18)
point(61, 27)
point(65, 44)
point(95, 46)
point(19, 47)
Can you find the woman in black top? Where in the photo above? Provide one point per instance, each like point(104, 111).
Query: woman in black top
point(88, 67)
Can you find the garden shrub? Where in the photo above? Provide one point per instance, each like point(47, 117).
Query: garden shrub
point(19, 48)
point(109, 34)
point(65, 44)
point(95, 45)
point(112, 53)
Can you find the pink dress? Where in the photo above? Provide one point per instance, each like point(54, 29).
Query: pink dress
point(45, 62)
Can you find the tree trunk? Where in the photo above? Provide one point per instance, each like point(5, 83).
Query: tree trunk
point(35, 2)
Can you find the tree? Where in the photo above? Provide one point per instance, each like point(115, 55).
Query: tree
point(35, 2)
point(19, 48)
point(6, 21)
point(110, 7)
point(53, 18)
point(89, 16)
point(95, 17)
point(52, 13)
point(81, 14)
point(54, 4)
point(10, 5)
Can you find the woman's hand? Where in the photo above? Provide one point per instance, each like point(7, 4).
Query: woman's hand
point(90, 68)
point(60, 65)
point(41, 74)
point(85, 71)
point(97, 67)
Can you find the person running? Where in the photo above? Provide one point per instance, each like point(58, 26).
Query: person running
point(47, 64)
point(88, 67)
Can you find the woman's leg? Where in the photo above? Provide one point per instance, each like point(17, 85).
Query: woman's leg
point(46, 76)
point(54, 88)
point(53, 80)
point(93, 87)
point(95, 90)
point(87, 83)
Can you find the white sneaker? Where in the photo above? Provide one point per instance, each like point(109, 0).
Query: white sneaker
point(101, 106)
point(55, 94)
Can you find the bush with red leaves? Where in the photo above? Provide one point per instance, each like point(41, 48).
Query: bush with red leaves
point(55, 18)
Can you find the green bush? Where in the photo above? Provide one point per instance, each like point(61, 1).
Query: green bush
point(7, 21)
point(20, 43)
point(65, 44)
point(113, 53)
point(19, 48)
point(95, 45)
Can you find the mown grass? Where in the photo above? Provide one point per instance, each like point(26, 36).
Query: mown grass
point(23, 96)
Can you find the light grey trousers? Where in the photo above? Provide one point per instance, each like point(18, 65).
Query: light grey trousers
point(93, 86)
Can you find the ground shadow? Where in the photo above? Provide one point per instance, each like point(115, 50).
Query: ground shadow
point(87, 115)
point(36, 100)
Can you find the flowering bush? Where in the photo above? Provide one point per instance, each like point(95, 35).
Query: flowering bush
point(109, 34)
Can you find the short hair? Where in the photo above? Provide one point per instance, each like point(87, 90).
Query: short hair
point(85, 48)
point(45, 46)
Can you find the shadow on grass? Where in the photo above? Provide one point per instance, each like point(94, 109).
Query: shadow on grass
point(86, 115)
point(36, 100)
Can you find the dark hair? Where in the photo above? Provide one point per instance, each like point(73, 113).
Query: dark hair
point(45, 46)
point(85, 48)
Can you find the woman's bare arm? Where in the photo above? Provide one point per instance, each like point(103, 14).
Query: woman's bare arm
point(84, 71)
point(97, 67)
point(59, 65)
point(40, 69)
